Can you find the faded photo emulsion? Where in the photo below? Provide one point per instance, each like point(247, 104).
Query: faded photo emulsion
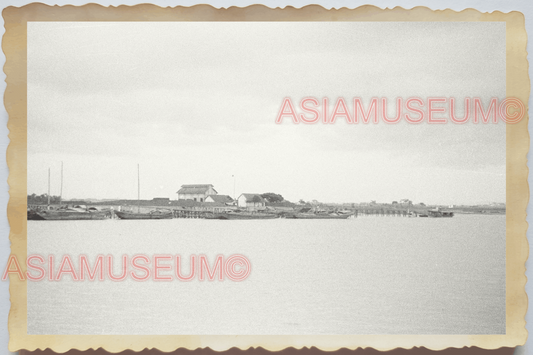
point(295, 183)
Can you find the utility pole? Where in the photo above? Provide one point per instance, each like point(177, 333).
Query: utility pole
point(138, 190)
point(234, 197)
point(61, 190)
point(48, 187)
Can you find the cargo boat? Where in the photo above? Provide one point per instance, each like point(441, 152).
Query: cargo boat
point(156, 214)
point(436, 213)
point(67, 214)
point(240, 215)
point(149, 215)
point(319, 216)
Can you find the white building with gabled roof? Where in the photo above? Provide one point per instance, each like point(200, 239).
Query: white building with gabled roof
point(196, 192)
point(250, 201)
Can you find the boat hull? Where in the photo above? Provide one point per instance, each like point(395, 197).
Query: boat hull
point(34, 216)
point(131, 215)
point(440, 214)
point(242, 216)
point(67, 215)
point(318, 216)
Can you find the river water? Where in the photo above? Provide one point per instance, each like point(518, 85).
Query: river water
point(369, 275)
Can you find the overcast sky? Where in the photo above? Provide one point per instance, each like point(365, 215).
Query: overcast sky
point(196, 102)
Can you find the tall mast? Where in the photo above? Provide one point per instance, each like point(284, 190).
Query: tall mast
point(61, 191)
point(138, 190)
point(233, 176)
point(48, 186)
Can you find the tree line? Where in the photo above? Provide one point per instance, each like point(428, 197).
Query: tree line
point(272, 197)
point(35, 199)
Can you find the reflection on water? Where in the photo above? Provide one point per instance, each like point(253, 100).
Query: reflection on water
point(370, 275)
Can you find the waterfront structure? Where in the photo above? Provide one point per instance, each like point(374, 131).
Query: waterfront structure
point(250, 201)
point(160, 201)
point(219, 199)
point(196, 192)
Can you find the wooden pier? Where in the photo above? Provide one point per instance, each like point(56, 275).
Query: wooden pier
point(373, 212)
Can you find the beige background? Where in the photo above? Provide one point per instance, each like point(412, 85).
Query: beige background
point(517, 194)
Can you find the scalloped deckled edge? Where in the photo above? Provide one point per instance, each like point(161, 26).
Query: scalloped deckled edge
point(14, 46)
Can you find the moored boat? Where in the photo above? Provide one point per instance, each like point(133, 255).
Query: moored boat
point(241, 215)
point(33, 216)
point(155, 214)
point(436, 213)
point(150, 215)
point(319, 216)
point(64, 212)
point(67, 214)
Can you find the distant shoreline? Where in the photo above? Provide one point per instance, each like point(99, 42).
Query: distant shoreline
point(355, 207)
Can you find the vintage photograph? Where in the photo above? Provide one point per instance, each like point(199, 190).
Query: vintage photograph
point(174, 139)
point(251, 177)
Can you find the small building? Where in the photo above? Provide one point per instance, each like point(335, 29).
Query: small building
point(196, 192)
point(160, 201)
point(219, 199)
point(251, 201)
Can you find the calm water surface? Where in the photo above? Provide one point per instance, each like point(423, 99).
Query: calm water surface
point(370, 275)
